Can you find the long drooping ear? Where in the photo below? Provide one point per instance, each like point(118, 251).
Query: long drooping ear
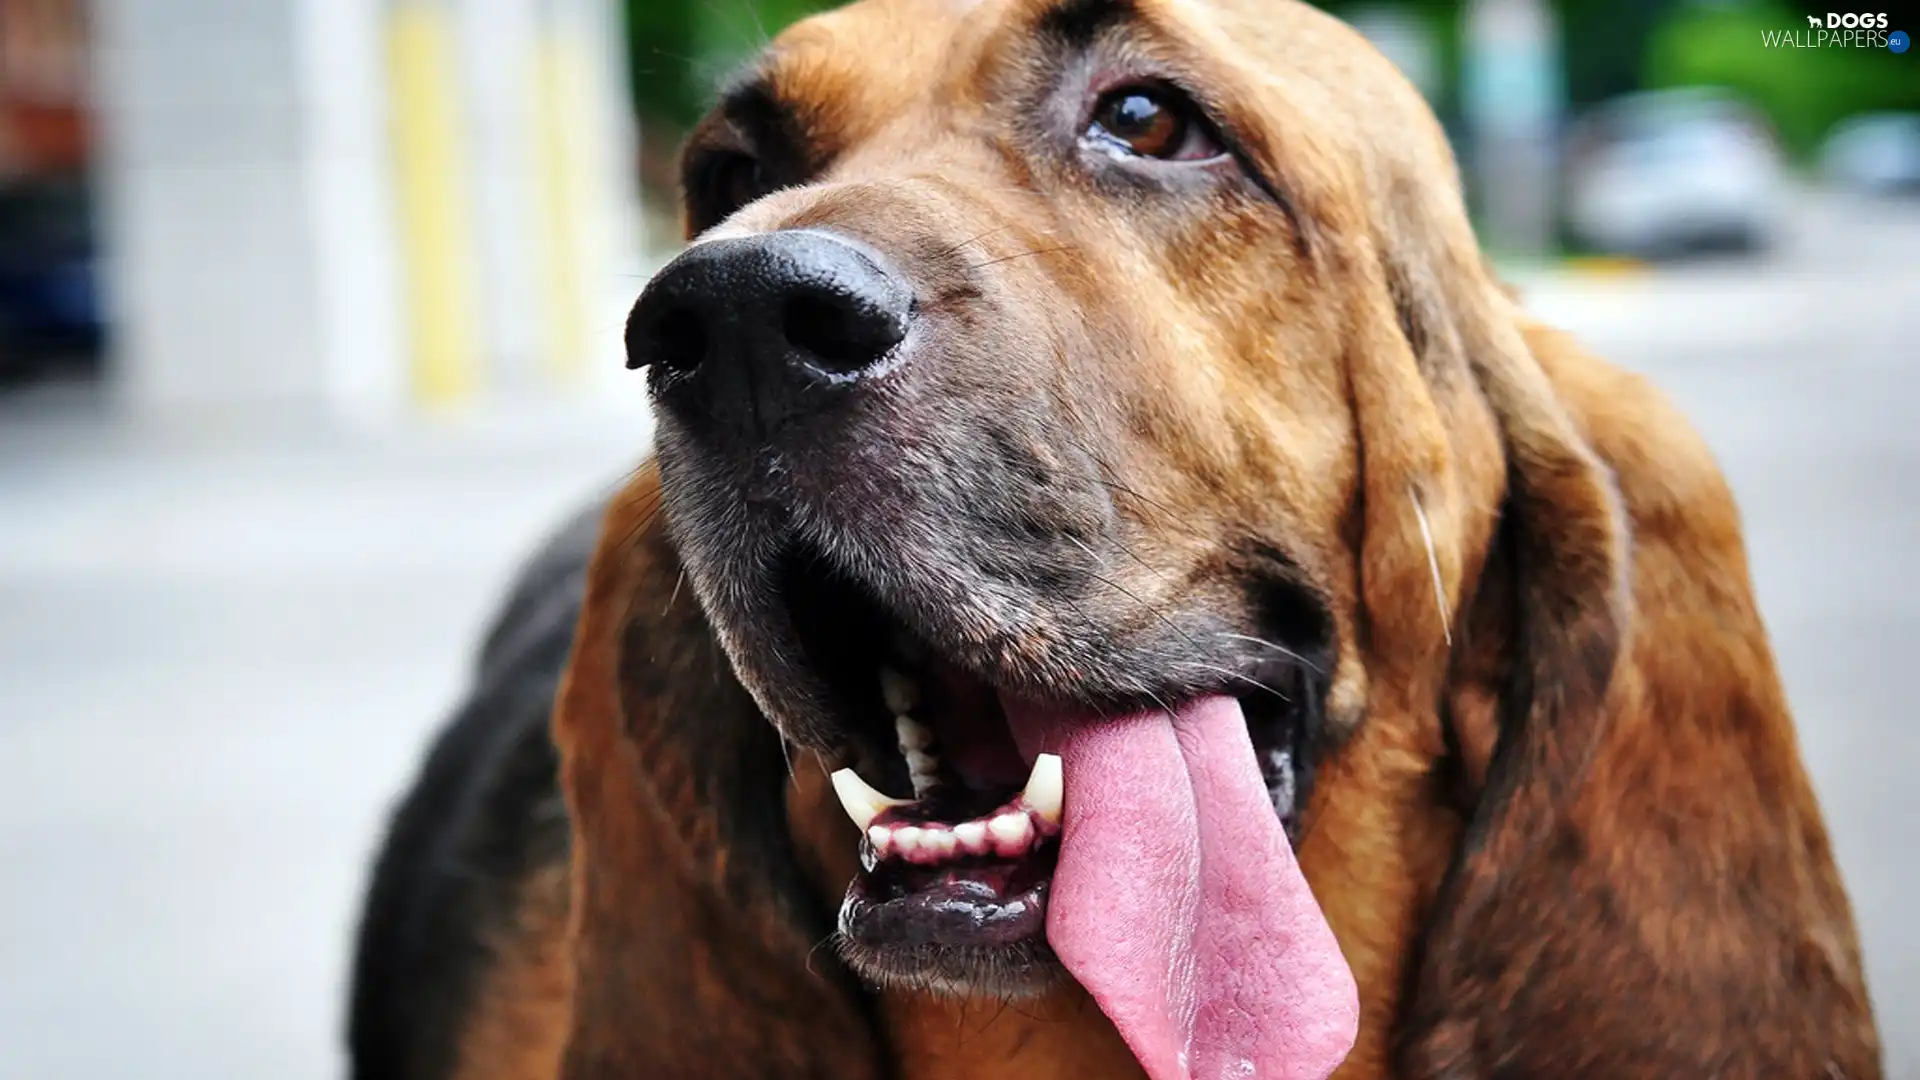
point(692, 931)
point(1644, 887)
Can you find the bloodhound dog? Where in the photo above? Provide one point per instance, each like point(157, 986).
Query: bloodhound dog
point(1121, 590)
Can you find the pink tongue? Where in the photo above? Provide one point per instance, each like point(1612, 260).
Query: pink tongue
point(1177, 902)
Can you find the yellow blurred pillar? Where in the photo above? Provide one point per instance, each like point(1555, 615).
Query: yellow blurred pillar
point(587, 225)
point(560, 119)
point(435, 227)
point(507, 115)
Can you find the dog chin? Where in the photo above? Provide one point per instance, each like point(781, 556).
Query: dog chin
point(1020, 972)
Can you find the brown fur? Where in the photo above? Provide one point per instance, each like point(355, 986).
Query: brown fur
point(675, 944)
point(516, 1030)
point(1563, 831)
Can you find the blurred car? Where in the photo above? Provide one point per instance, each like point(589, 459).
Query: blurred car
point(1874, 154)
point(50, 310)
point(1668, 173)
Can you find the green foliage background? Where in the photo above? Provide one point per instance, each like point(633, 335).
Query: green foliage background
point(1804, 91)
point(680, 49)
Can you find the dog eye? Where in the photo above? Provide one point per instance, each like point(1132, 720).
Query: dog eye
point(1153, 122)
point(730, 181)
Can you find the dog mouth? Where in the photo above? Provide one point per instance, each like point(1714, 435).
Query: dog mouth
point(960, 791)
point(953, 881)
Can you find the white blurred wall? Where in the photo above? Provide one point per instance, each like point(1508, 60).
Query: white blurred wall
point(359, 206)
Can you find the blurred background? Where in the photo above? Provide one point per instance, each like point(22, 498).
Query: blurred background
point(310, 327)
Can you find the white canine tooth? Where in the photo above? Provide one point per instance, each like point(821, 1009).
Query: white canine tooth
point(971, 835)
point(906, 839)
point(1011, 830)
point(1045, 788)
point(861, 802)
point(913, 734)
point(899, 692)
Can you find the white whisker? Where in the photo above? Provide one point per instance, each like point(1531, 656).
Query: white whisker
point(1276, 647)
point(1433, 562)
point(1232, 674)
point(677, 582)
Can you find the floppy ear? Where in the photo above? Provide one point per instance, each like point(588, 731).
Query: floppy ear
point(1644, 886)
point(692, 931)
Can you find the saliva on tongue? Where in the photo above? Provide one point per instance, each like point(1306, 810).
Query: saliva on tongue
point(1177, 902)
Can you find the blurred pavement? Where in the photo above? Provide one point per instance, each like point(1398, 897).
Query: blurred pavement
point(220, 656)
point(221, 651)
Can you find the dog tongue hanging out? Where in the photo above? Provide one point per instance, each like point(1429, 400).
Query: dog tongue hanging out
point(1177, 901)
point(1174, 898)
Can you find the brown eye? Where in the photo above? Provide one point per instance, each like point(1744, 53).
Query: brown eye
point(733, 181)
point(1153, 122)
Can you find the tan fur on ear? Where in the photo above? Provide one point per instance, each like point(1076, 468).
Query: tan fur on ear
point(689, 961)
point(1642, 888)
point(1645, 888)
point(1439, 478)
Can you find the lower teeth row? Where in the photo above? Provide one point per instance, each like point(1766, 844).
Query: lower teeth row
point(1008, 833)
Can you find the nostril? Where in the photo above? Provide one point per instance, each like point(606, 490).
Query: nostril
point(680, 340)
point(840, 333)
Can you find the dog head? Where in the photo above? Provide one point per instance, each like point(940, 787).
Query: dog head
point(1088, 420)
point(1053, 363)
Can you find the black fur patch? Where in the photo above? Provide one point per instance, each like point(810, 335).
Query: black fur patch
point(484, 814)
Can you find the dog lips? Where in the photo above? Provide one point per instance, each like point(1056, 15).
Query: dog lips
point(1177, 902)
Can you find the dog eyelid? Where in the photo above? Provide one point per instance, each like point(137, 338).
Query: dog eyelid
point(737, 179)
point(751, 144)
point(721, 181)
point(1151, 119)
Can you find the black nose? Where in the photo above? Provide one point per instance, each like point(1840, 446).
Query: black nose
point(754, 330)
